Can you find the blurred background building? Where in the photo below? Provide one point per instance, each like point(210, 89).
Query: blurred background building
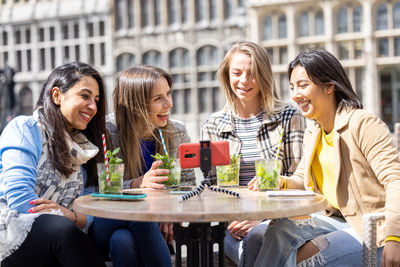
point(189, 38)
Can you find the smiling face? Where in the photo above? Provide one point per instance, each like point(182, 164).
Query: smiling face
point(160, 103)
point(241, 80)
point(315, 101)
point(79, 103)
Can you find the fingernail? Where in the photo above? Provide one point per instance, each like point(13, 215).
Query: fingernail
point(32, 202)
point(30, 210)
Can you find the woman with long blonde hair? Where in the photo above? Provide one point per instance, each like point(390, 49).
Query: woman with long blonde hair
point(252, 121)
point(142, 102)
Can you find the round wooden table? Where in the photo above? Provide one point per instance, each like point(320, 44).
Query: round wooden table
point(162, 206)
point(200, 236)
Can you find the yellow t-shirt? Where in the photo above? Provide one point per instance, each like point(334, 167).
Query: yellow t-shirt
point(323, 168)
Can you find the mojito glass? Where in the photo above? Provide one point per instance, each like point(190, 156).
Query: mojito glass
point(267, 173)
point(116, 173)
point(228, 175)
point(174, 176)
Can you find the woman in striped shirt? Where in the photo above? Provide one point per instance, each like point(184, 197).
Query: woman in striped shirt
point(252, 121)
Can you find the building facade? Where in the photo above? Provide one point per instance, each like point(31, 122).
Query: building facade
point(188, 38)
point(36, 36)
point(363, 34)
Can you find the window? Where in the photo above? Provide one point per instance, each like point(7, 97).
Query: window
point(102, 54)
point(396, 16)
point(172, 11)
point(359, 82)
point(42, 58)
point(268, 35)
point(17, 36)
point(344, 50)
point(77, 53)
point(52, 57)
point(91, 54)
point(19, 60)
point(382, 20)
point(383, 47)
point(41, 34)
point(131, 13)
point(342, 20)
point(157, 12)
point(52, 36)
point(174, 95)
point(304, 24)
point(27, 36)
point(186, 103)
point(185, 11)
point(202, 100)
point(213, 9)
point(145, 13)
point(101, 28)
point(200, 10)
point(152, 57)
point(207, 55)
point(215, 99)
point(66, 54)
point(283, 55)
point(319, 23)
point(5, 38)
point(25, 101)
point(228, 7)
point(90, 29)
point(397, 46)
point(65, 31)
point(76, 30)
point(28, 60)
point(119, 14)
point(125, 61)
point(282, 27)
point(357, 19)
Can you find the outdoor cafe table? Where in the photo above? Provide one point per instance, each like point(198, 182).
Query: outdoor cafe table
point(200, 211)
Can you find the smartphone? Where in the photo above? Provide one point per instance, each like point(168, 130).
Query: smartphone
point(130, 196)
point(189, 154)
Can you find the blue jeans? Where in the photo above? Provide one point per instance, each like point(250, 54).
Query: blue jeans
point(130, 243)
point(244, 252)
point(338, 243)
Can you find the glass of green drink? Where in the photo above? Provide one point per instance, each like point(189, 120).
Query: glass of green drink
point(116, 174)
point(228, 175)
point(174, 176)
point(267, 173)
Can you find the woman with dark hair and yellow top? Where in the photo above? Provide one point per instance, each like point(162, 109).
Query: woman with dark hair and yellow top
point(350, 158)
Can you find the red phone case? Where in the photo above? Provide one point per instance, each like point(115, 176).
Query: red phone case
point(189, 154)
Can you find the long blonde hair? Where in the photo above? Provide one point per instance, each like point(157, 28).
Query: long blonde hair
point(260, 69)
point(131, 107)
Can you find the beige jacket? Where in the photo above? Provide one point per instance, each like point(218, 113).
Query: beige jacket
point(367, 170)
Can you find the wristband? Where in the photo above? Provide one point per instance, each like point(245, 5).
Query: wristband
point(284, 183)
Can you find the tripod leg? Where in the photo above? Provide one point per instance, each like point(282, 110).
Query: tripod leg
point(192, 193)
point(223, 190)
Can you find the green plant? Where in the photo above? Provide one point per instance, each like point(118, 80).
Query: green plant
point(228, 175)
point(112, 158)
point(267, 179)
point(168, 163)
point(116, 173)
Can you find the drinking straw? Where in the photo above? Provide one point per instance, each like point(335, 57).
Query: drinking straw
point(163, 142)
point(106, 159)
point(279, 148)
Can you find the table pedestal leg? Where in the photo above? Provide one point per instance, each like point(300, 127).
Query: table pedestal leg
point(199, 239)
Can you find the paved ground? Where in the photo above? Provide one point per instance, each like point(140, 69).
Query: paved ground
point(228, 262)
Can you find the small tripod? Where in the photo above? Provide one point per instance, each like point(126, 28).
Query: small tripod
point(205, 166)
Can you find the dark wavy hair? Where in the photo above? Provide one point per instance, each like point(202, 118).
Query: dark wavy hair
point(64, 77)
point(323, 69)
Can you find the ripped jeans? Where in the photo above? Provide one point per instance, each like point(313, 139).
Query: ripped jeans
point(338, 243)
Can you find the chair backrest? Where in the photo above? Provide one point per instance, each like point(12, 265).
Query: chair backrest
point(397, 134)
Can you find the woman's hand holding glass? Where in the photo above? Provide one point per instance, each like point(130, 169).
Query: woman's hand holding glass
point(153, 177)
point(252, 185)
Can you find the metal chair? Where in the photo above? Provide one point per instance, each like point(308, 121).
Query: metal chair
point(369, 238)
